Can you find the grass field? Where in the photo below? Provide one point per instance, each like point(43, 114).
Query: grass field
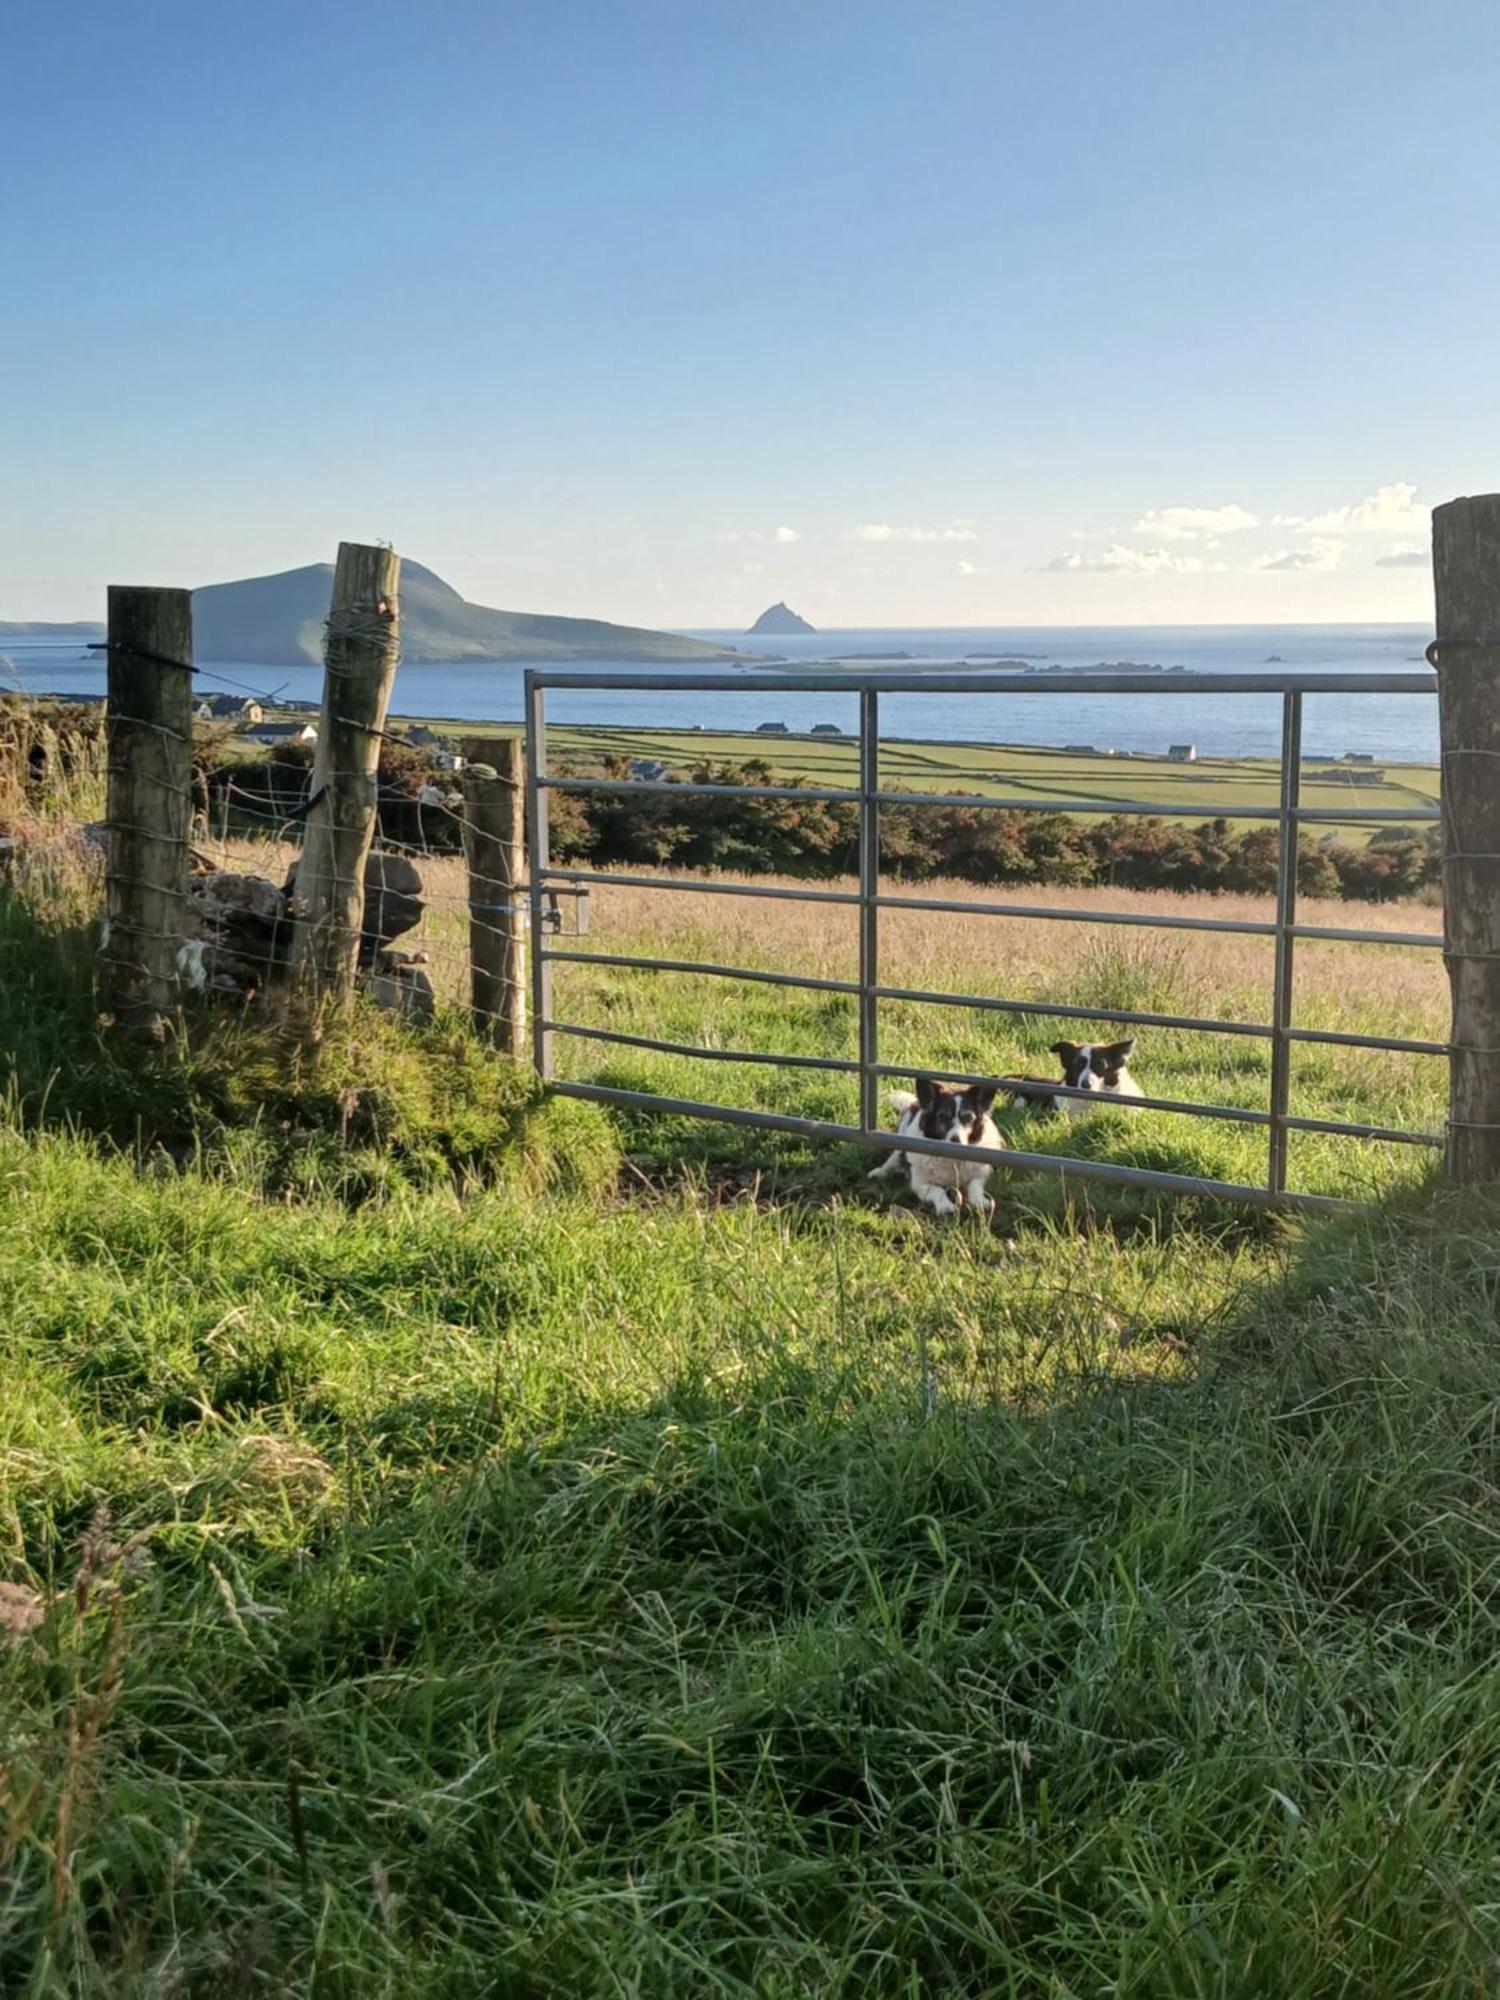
point(441, 1558)
point(1013, 770)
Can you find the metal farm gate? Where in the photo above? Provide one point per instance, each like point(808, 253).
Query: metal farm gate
point(868, 989)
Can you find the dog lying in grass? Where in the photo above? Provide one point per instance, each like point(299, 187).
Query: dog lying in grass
point(961, 1116)
point(1099, 1067)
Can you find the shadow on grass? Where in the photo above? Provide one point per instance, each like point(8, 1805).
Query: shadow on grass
point(762, 1685)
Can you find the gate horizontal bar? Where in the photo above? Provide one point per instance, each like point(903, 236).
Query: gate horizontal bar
point(694, 789)
point(1399, 1044)
point(703, 971)
point(1047, 1010)
point(703, 1055)
point(767, 681)
point(1237, 927)
point(1056, 1164)
point(708, 888)
point(1389, 1133)
point(1102, 808)
point(1432, 940)
point(958, 906)
point(1106, 808)
point(1050, 1011)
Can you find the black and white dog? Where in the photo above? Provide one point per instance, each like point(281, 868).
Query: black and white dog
point(1098, 1067)
point(941, 1111)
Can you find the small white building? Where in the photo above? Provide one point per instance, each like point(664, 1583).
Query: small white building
point(283, 732)
point(1183, 753)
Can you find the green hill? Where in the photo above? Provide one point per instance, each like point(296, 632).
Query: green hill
point(277, 621)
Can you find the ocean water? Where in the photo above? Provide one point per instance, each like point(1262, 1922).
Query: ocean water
point(1390, 727)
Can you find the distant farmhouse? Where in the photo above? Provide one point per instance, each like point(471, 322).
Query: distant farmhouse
point(283, 732)
point(773, 729)
point(1183, 753)
point(232, 708)
point(826, 729)
point(650, 769)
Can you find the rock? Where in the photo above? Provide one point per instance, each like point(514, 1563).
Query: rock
point(401, 986)
point(780, 618)
point(237, 933)
point(393, 902)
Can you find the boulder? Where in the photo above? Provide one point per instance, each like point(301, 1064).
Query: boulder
point(393, 902)
point(236, 933)
point(401, 986)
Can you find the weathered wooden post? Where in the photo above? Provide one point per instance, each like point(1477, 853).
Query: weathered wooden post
point(495, 846)
point(363, 646)
point(1466, 573)
point(149, 731)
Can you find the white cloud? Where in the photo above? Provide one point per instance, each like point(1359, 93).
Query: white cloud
point(882, 531)
point(1389, 510)
point(1406, 558)
point(1117, 560)
point(1318, 554)
point(971, 569)
point(755, 535)
point(1186, 524)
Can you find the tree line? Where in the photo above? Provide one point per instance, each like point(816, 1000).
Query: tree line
point(819, 838)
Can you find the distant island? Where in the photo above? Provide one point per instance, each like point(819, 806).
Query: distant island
point(780, 620)
point(1111, 667)
point(21, 631)
point(277, 621)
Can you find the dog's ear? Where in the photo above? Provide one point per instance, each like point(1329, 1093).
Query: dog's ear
point(1065, 1050)
point(982, 1097)
point(927, 1092)
point(1117, 1054)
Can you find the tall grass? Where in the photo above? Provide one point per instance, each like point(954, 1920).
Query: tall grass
point(536, 1578)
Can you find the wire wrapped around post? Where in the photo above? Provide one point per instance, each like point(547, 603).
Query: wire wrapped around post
point(363, 646)
point(149, 726)
point(495, 849)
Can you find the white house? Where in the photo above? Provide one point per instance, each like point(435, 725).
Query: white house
point(283, 732)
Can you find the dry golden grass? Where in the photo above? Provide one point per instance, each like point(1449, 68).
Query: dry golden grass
point(1166, 971)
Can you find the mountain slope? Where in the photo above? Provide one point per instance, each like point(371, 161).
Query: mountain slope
point(277, 621)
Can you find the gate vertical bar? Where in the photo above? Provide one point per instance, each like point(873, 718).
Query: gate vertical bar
point(1286, 917)
point(537, 859)
point(869, 914)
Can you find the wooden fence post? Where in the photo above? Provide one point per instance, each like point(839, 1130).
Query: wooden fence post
point(495, 846)
point(1466, 573)
point(364, 643)
point(149, 732)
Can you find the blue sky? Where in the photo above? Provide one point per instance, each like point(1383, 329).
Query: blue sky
point(932, 313)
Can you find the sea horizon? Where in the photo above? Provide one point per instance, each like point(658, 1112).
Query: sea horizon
point(1396, 728)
